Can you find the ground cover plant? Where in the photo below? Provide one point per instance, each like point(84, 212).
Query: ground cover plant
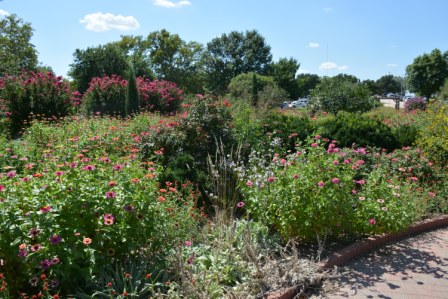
point(109, 207)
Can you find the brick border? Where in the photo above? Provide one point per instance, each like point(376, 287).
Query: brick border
point(341, 257)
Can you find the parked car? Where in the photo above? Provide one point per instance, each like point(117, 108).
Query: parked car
point(391, 95)
point(300, 103)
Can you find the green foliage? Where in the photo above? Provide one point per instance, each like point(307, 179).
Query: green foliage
point(251, 86)
point(233, 54)
point(35, 96)
point(284, 74)
point(427, 73)
point(175, 60)
point(388, 83)
point(313, 192)
point(106, 96)
point(16, 51)
point(135, 48)
point(132, 96)
point(434, 134)
point(106, 60)
point(341, 93)
point(306, 83)
point(352, 128)
point(443, 95)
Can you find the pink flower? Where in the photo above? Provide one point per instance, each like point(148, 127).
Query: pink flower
point(270, 179)
point(295, 176)
point(249, 183)
point(240, 204)
point(314, 144)
point(89, 167)
point(372, 221)
point(188, 243)
point(110, 194)
point(431, 194)
point(414, 179)
point(335, 181)
point(360, 182)
point(321, 184)
point(109, 219)
point(335, 162)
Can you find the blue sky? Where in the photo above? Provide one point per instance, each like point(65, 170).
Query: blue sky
point(367, 39)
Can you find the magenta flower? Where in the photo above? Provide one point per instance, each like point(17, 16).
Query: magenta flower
point(34, 232)
point(45, 209)
point(109, 219)
point(55, 239)
point(2, 188)
point(360, 182)
point(129, 208)
point(270, 179)
point(295, 176)
point(23, 252)
point(110, 194)
point(314, 144)
point(36, 247)
point(240, 204)
point(321, 184)
point(88, 167)
point(188, 243)
point(118, 167)
point(58, 173)
point(335, 181)
point(55, 261)
point(45, 264)
point(249, 183)
point(372, 221)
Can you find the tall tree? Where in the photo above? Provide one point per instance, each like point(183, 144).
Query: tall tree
point(16, 50)
point(306, 83)
point(388, 83)
point(233, 54)
point(98, 61)
point(428, 72)
point(136, 50)
point(284, 74)
point(371, 85)
point(175, 60)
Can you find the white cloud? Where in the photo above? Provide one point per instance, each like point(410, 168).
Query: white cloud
point(171, 4)
point(313, 45)
point(3, 12)
point(328, 66)
point(332, 66)
point(100, 22)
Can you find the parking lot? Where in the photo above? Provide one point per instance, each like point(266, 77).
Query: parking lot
point(391, 103)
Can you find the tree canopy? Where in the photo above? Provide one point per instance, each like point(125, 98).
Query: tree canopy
point(16, 50)
point(306, 83)
point(233, 54)
point(284, 74)
point(428, 72)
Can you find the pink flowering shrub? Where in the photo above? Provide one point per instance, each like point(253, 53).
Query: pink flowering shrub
point(318, 191)
point(71, 219)
point(162, 96)
point(35, 96)
point(106, 96)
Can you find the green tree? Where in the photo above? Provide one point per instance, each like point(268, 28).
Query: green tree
point(173, 59)
point(428, 72)
point(388, 83)
point(233, 54)
point(132, 98)
point(136, 51)
point(284, 74)
point(106, 60)
point(334, 94)
point(372, 86)
point(16, 51)
point(306, 83)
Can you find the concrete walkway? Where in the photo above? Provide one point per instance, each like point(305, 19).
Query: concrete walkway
point(416, 267)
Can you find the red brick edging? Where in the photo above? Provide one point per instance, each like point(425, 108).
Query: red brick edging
point(343, 256)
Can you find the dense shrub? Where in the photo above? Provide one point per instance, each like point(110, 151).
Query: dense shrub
point(71, 219)
point(341, 94)
point(37, 96)
point(434, 133)
point(106, 96)
point(313, 192)
point(161, 96)
point(415, 103)
point(350, 128)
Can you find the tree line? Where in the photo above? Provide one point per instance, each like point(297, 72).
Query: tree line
point(209, 68)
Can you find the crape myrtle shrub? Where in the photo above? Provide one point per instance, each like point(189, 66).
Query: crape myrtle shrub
point(161, 96)
point(351, 128)
point(184, 142)
point(35, 95)
point(107, 96)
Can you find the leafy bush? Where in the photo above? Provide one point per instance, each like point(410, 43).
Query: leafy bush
point(70, 219)
point(434, 133)
point(106, 96)
point(36, 96)
point(415, 103)
point(313, 192)
point(341, 94)
point(351, 128)
point(161, 96)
